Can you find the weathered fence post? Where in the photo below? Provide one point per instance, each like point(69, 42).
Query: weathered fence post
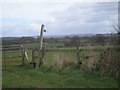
point(78, 56)
point(39, 60)
point(23, 55)
point(33, 56)
point(4, 62)
point(44, 53)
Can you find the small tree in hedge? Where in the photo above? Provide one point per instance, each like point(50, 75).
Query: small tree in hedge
point(75, 41)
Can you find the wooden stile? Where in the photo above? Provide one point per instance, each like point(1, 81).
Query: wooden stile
point(39, 60)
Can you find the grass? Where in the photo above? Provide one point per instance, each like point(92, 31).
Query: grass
point(46, 77)
point(32, 45)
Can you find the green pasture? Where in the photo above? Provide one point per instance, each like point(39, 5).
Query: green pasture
point(46, 77)
point(32, 45)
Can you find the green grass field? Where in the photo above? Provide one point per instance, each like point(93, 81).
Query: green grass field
point(32, 45)
point(47, 77)
point(54, 45)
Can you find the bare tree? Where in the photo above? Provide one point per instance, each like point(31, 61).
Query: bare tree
point(117, 29)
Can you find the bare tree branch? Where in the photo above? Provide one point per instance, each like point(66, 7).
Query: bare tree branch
point(116, 28)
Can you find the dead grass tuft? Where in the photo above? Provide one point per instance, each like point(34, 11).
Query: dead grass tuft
point(61, 60)
point(90, 59)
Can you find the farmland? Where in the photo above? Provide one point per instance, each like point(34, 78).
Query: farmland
point(46, 76)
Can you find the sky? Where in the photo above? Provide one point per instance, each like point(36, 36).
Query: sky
point(59, 18)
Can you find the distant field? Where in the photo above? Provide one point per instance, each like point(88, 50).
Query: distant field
point(32, 45)
point(56, 46)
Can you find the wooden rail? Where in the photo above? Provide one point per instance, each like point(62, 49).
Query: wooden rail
point(10, 59)
point(66, 50)
point(11, 49)
point(61, 50)
point(73, 50)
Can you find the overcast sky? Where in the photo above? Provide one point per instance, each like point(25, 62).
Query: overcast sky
point(25, 19)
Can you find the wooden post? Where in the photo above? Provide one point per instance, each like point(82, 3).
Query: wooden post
point(78, 55)
point(39, 60)
point(44, 53)
point(41, 36)
point(23, 57)
point(4, 62)
point(23, 54)
point(33, 56)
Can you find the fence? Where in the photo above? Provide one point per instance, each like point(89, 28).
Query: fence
point(63, 52)
point(15, 55)
point(11, 56)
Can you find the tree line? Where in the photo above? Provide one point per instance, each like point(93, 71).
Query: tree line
point(98, 39)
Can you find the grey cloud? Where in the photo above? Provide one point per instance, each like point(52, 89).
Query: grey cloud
point(106, 6)
point(79, 18)
point(97, 12)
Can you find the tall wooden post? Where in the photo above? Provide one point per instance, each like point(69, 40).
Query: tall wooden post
point(78, 55)
point(33, 56)
point(39, 60)
point(41, 37)
point(4, 61)
point(23, 55)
